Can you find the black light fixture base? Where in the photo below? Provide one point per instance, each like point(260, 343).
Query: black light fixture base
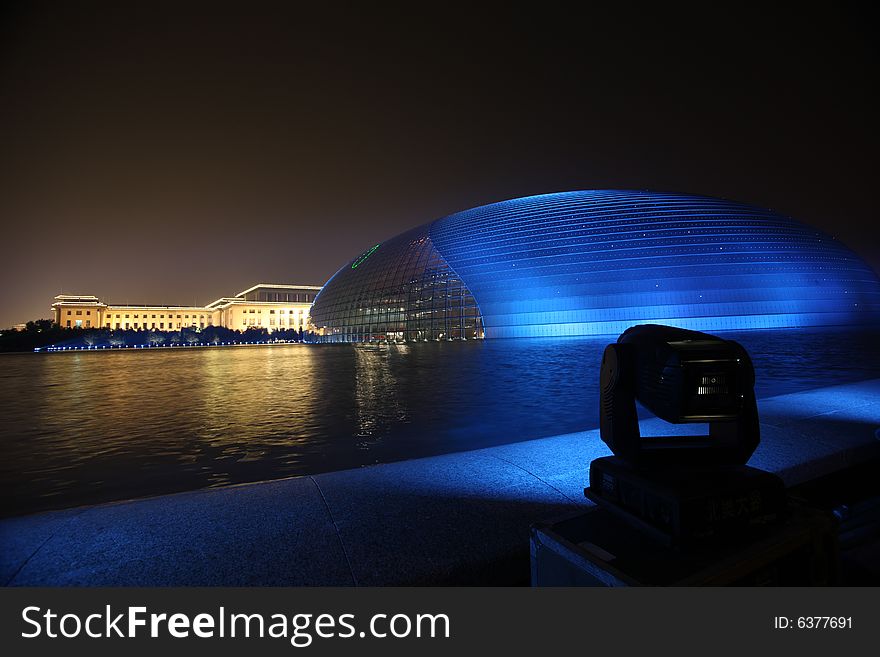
point(688, 507)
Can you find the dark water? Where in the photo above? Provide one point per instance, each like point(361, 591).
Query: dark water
point(79, 428)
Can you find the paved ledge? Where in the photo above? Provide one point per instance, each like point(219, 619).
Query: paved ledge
point(454, 519)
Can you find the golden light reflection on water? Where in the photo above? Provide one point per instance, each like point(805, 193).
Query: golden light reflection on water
point(172, 420)
point(242, 397)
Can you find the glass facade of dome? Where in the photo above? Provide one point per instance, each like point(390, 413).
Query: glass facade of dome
point(596, 263)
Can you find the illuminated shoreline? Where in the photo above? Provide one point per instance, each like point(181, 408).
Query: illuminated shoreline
point(147, 347)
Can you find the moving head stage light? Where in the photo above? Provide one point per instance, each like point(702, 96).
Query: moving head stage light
point(682, 377)
point(682, 489)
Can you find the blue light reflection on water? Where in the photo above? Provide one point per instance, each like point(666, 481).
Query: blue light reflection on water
point(90, 427)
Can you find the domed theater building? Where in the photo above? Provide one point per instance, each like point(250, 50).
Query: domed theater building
point(593, 263)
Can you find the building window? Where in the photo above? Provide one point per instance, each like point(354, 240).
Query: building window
point(88, 312)
point(154, 317)
point(186, 316)
point(79, 312)
point(68, 312)
point(126, 317)
point(88, 323)
point(68, 323)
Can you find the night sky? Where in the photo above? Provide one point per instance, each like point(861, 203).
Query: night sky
point(179, 152)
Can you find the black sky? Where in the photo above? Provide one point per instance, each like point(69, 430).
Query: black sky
point(177, 152)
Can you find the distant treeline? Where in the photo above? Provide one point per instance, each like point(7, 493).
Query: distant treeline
point(45, 333)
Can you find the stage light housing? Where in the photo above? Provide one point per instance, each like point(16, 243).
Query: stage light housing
point(681, 376)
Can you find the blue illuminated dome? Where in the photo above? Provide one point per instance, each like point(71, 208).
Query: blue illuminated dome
point(593, 263)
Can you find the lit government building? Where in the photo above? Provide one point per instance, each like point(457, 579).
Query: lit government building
point(592, 263)
point(262, 306)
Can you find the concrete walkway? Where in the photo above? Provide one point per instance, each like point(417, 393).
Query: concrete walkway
point(455, 519)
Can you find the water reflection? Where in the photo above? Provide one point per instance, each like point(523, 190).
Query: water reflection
point(80, 428)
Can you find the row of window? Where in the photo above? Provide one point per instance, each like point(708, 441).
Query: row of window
point(271, 311)
point(170, 316)
point(258, 321)
point(161, 327)
point(281, 297)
